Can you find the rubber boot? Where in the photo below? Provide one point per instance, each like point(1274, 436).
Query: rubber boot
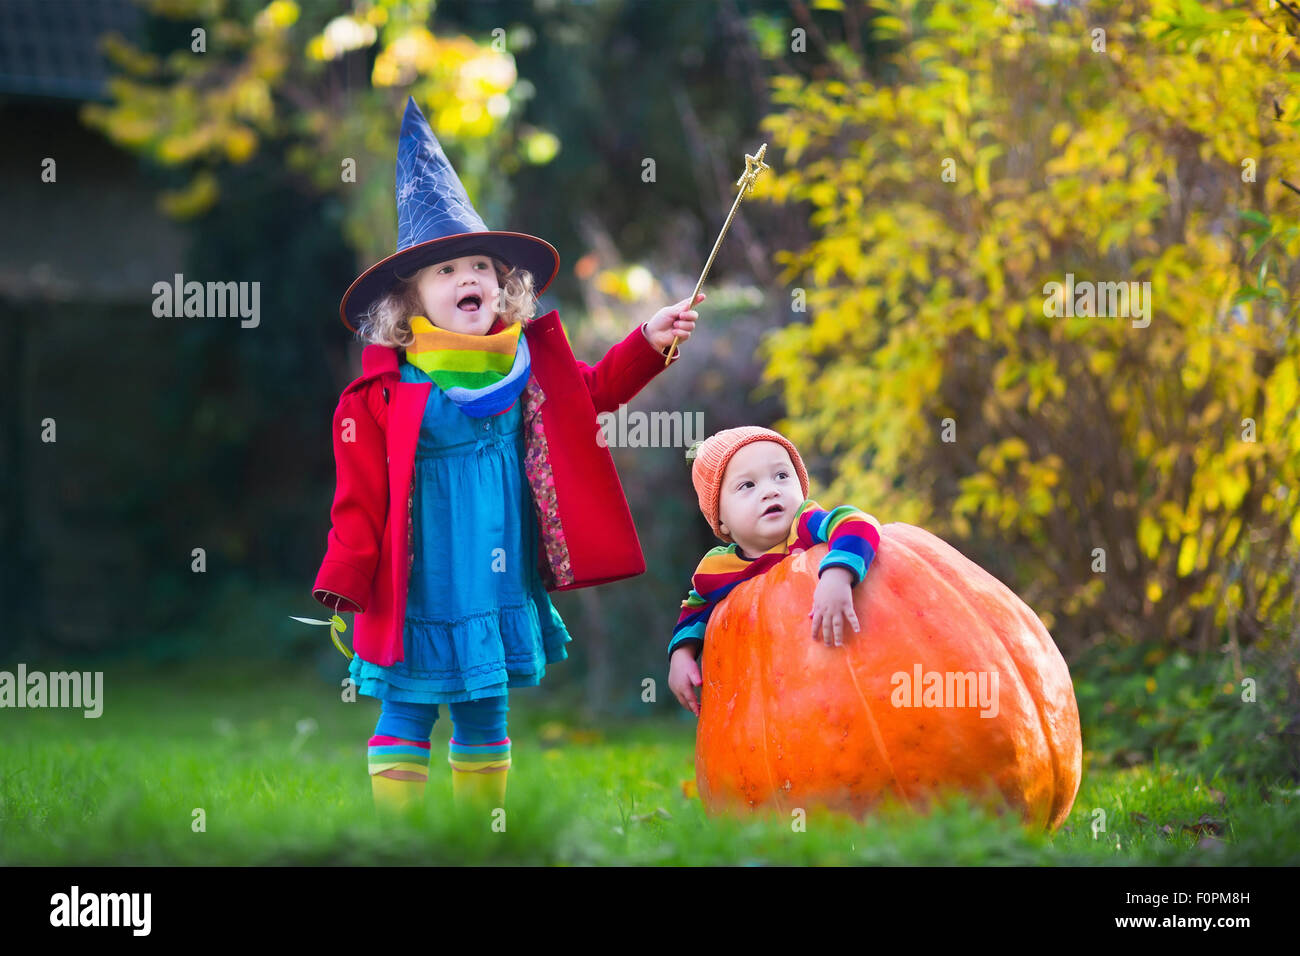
point(399, 769)
point(479, 788)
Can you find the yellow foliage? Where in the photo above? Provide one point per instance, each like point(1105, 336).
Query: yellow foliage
point(277, 15)
point(240, 143)
point(1186, 556)
point(945, 199)
point(195, 199)
point(262, 80)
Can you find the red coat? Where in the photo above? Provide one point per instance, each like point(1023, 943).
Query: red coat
point(585, 530)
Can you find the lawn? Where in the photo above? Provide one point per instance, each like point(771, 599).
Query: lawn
point(276, 771)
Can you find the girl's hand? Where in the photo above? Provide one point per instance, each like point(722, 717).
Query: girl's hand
point(659, 331)
point(833, 606)
point(684, 677)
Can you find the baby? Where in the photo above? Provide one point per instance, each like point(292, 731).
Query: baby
point(753, 490)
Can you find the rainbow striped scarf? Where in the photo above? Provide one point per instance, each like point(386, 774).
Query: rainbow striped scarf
point(483, 374)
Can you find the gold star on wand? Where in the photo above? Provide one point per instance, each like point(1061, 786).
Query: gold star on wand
point(753, 166)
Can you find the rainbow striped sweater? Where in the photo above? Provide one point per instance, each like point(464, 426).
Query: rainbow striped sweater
point(853, 536)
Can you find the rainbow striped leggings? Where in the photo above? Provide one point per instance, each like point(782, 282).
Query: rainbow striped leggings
point(478, 742)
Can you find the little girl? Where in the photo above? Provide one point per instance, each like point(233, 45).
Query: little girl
point(470, 478)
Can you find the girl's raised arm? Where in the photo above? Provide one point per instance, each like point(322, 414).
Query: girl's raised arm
point(626, 368)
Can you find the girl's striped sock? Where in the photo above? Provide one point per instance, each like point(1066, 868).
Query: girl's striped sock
point(405, 759)
point(479, 758)
point(479, 771)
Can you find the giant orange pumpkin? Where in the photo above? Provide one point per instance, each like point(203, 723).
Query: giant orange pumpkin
point(787, 722)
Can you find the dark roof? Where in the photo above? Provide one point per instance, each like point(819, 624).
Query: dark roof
point(51, 47)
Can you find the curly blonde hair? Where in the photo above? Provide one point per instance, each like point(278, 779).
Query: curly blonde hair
point(388, 320)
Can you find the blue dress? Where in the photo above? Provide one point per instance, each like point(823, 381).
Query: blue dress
point(478, 617)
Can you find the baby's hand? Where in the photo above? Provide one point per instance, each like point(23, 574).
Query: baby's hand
point(833, 606)
point(684, 677)
point(672, 321)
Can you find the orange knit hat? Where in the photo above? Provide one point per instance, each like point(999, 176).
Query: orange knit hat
point(712, 455)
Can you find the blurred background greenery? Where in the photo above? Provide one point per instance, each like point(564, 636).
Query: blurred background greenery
point(934, 165)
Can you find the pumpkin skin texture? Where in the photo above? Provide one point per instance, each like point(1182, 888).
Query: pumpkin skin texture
point(787, 722)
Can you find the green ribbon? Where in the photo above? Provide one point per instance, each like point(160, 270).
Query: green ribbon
point(336, 625)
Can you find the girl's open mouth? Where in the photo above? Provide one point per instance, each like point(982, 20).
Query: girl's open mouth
point(470, 303)
point(773, 510)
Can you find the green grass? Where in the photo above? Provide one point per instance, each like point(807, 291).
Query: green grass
point(121, 789)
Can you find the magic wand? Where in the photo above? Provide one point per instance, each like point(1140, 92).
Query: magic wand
point(753, 166)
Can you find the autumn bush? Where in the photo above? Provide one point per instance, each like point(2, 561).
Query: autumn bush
point(1132, 477)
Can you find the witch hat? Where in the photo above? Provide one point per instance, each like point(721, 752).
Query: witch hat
point(436, 221)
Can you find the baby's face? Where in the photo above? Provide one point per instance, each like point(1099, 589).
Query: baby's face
point(759, 495)
point(441, 287)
